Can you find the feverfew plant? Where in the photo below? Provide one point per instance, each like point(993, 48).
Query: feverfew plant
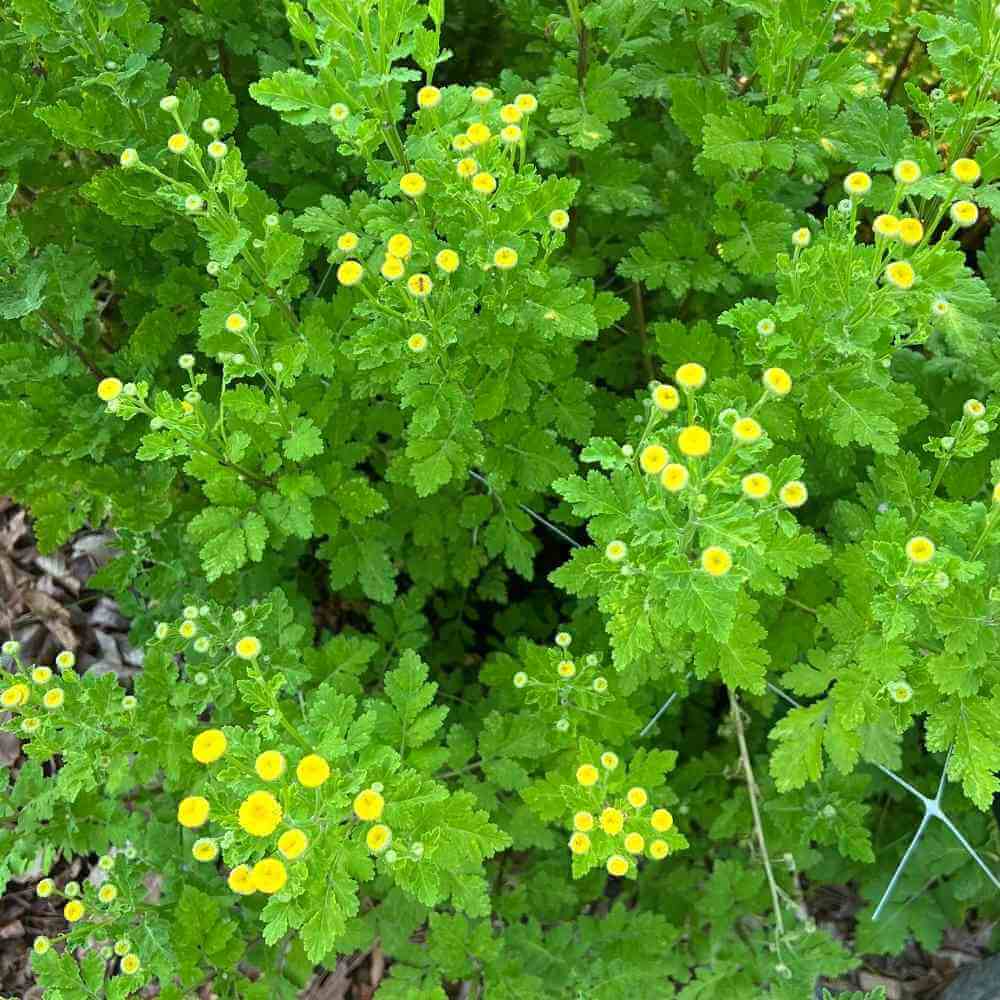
point(550, 461)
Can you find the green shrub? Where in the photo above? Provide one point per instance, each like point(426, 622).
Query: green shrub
point(447, 434)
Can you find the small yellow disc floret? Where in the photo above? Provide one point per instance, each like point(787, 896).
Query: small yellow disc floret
point(579, 843)
point(794, 493)
point(583, 821)
point(368, 805)
point(661, 820)
point(612, 820)
point(659, 849)
point(901, 274)
point(691, 375)
point(674, 477)
point(587, 775)
point(192, 811)
point(637, 797)
point(920, 549)
point(312, 771)
point(756, 485)
point(716, 561)
point(248, 647)
point(259, 814)
point(209, 746)
point(617, 865)
point(653, 458)
point(292, 843)
point(241, 881)
point(413, 184)
point(777, 380)
point(911, 231)
point(270, 765)
point(378, 838)
point(109, 388)
point(399, 245)
point(857, 183)
point(269, 876)
point(634, 843)
point(666, 398)
point(966, 171)
point(694, 441)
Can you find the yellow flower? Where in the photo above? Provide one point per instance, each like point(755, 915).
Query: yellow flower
point(766, 326)
point(612, 820)
point(920, 549)
point(417, 343)
point(691, 375)
point(484, 183)
point(461, 143)
point(802, 237)
point(756, 485)
point(54, 698)
point(907, 171)
point(617, 865)
point(478, 133)
point(428, 97)
point(900, 692)
point(269, 876)
point(74, 910)
point(178, 143)
point(559, 219)
point(217, 150)
point(886, 225)
point(674, 477)
point(108, 893)
point(510, 114)
point(716, 561)
point(616, 550)
point(15, 696)
point(609, 760)
point(666, 398)
point(248, 647)
point(973, 408)
point(794, 493)
point(911, 231)
point(312, 771)
point(241, 881)
point(653, 458)
point(900, 273)
point(637, 797)
point(400, 245)
point(634, 843)
point(269, 765)
point(467, 167)
point(259, 814)
point(419, 285)
point(109, 388)
point(579, 843)
point(583, 821)
point(447, 261)
point(392, 268)
point(292, 843)
point(413, 184)
point(129, 158)
point(964, 214)
point(204, 849)
point(45, 888)
point(482, 95)
point(350, 273)
point(66, 660)
point(857, 183)
point(659, 849)
point(587, 775)
point(966, 171)
point(526, 103)
point(510, 134)
point(131, 964)
point(940, 307)
point(747, 430)
point(378, 838)
point(661, 820)
point(694, 441)
point(777, 380)
point(368, 805)
point(235, 322)
point(41, 944)
point(505, 258)
point(209, 746)
point(188, 630)
point(566, 668)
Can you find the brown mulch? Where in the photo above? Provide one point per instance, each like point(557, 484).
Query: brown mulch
point(46, 606)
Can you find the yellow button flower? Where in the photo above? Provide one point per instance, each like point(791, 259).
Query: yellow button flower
point(478, 133)
point(482, 95)
point(966, 171)
point(392, 268)
point(612, 820)
point(637, 797)
point(653, 458)
point(616, 550)
point(964, 213)
point(777, 380)
point(746, 430)
point(559, 219)
point(802, 237)
point(674, 477)
point(41, 675)
point(661, 820)
point(209, 746)
point(236, 322)
point(666, 398)
point(634, 843)
point(579, 843)
point(269, 876)
point(131, 964)
point(417, 343)
point(419, 285)
point(794, 493)
point(108, 893)
point(178, 143)
point(617, 865)
point(270, 765)
point(583, 821)
point(659, 849)
point(505, 258)
point(54, 698)
point(350, 273)
point(248, 647)
point(920, 549)
point(428, 97)
point(901, 274)
point(694, 441)
point(412, 184)
point(339, 113)
point(886, 225)
point(609, 760)
point(526, 103)
point(109, 388)
point(368, 804)
point(241, 880)
point(259, 814)
point(292, 843)
point(378, 838)
point(204, 849)
point(467, 167)
point(484, 183)
point(510, 114)
point(348, 241)
point(690, 375)
point(587, 775)
point(756, 485)
point(400, 245)
point(911, 231)
point(461, 143)
point(907, 171)
point(192, 811)
point(716, 561)
point(447, 261)
point(15, 696)
point(74, 911)
point(857, 183)
point(566, 669)
point(510, 134)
